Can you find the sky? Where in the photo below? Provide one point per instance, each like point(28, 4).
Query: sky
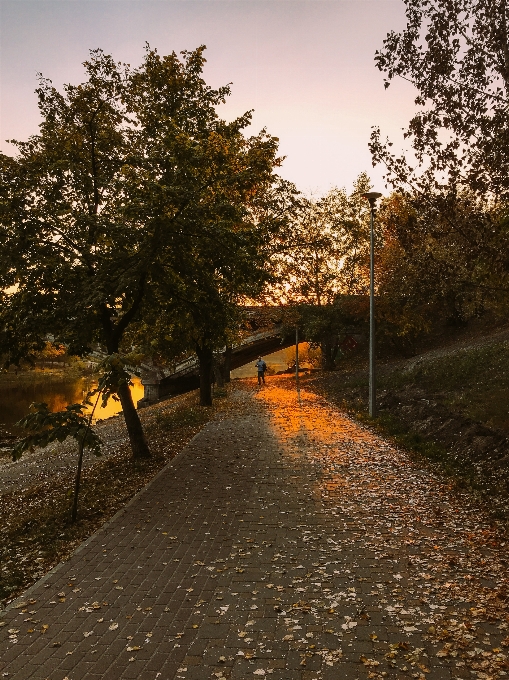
point(306, 67)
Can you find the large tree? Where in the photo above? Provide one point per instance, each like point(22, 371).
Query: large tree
point(456, 54)
point(217, 278)
point(105, 211)
point(455, 175)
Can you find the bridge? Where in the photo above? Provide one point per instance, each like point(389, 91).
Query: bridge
point(268, 329)
point(159, 384)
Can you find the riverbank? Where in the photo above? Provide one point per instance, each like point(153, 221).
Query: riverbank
point(35, 492)
point(58, 387)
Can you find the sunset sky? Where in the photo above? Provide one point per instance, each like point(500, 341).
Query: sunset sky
point(305, 66)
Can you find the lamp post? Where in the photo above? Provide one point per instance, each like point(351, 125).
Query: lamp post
point(297, 360)
point(372, 197)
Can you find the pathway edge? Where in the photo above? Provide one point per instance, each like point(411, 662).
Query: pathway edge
point(15, 603)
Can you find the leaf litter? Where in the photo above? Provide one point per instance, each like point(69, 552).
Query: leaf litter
point(389, 538)
point(434, 562)
point(35, 533)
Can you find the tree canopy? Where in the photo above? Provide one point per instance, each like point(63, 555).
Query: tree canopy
point(135, 196)
point(456, 54)
point(451, 224)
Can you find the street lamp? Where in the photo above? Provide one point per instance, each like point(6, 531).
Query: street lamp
point(372, 197)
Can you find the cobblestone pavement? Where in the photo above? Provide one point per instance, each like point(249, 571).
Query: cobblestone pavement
point(285, 541)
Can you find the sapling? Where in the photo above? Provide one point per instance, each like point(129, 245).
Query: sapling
point(74, 421)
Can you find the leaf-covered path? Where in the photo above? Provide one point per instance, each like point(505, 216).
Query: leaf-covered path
point(285, 541)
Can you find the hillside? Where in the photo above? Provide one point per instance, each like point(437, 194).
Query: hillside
point(449, 404)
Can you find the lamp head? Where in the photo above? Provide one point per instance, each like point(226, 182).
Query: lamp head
point(372, 197)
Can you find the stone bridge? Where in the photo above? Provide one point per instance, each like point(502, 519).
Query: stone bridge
point(160, 384)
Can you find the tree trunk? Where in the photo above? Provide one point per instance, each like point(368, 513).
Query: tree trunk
point(137, 439)
point(327, 355)
point(206, 358)
point(77, 482)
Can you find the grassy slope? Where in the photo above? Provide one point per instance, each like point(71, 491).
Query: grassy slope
point(473, 382)
point(449, 405)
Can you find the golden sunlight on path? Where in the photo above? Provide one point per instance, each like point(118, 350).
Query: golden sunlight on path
point(425, 563)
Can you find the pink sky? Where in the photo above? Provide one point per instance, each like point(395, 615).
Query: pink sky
point(305, 66)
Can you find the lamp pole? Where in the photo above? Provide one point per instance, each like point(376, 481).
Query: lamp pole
point(297, 360)
point(372, 197)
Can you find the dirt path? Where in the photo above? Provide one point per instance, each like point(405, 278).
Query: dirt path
point(285, 541)
point(450, 349)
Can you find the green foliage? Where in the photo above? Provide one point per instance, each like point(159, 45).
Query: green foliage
point(133, 186)
point(427, 275)
point(327, 247)
point(325, 326)
point(46, 427)
point(135, 202)
point(112, 377)
point(324, 269)
point(455, 54)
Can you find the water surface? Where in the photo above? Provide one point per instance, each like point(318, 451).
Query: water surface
point(56, 391)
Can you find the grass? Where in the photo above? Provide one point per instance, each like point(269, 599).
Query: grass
point(35, 525)
point(469, 383)
point(389, 426)
point(473, 382)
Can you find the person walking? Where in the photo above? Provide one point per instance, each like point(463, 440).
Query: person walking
point(261, 367)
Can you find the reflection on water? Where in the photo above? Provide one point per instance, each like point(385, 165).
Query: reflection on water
point(15, 400)
point(112, 407)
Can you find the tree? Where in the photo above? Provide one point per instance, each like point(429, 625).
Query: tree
point(327, 257)
point(456, 54)
point(220, 273)
point(324, 326)
point(46, 427)
point(327, 246)
point(104, 212)
point(74, 421)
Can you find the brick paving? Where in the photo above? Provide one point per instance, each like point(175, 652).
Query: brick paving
point(255, 553)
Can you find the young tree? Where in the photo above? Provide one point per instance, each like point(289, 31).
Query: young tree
point(104, 212)
point(327, 246)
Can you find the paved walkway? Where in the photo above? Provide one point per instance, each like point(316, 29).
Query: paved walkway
point(285, 541)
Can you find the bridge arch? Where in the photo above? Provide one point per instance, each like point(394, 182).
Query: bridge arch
point(186, 377)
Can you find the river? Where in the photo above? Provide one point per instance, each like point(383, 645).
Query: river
point(58, 392)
